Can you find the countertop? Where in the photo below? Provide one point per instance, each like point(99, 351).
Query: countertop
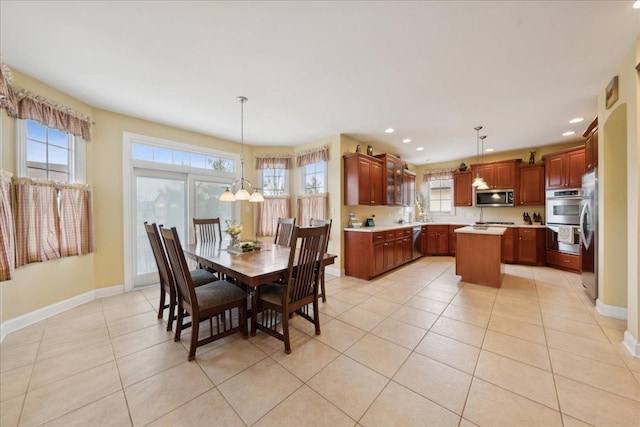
point(385, 227)
point(494, 231)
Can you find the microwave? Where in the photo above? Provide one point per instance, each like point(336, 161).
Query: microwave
point(494, 198)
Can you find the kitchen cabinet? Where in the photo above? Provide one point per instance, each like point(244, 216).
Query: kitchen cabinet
point(498, 175)
point(453, 239)
point(564, 169)
point(462, 194)
point(363, 180)
point(591, 146)
point(369, 254)
point(564, 260)
point(531, 245)
point(392, 172)
point(531, 187)
point(437, 241)
point(509, 245)
point(408, 188)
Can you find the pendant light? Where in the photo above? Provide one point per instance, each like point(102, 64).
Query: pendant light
point(242, 186)
point(478, 181)
point(483, 185)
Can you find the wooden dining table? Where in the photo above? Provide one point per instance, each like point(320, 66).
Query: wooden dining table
point(253, 269)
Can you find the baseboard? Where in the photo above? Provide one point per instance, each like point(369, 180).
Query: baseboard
point(334, 271)
point(611, 310)
point(632, 344)
point(36, 316)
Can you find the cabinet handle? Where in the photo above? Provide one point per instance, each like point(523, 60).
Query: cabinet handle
point(565, 260)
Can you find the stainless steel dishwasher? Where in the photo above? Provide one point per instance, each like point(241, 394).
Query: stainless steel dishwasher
point(416, 241)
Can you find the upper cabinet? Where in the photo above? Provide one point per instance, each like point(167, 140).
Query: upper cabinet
point(392, 170)
point(498, 175)
point(408, 188)
point(591, 146)
point(363, 179)
point(462, 194)
point(565, 169)
point(531, 188)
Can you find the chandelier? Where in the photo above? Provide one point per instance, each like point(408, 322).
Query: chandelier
point(478, 181)
point(241, 188)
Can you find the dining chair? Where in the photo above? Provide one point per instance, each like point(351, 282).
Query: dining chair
point(214, 300)
point(207, 230)
point(321, 223)
point(167, 284)
point(275, 301)
point(284, 231)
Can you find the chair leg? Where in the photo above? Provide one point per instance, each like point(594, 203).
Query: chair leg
point(316, 316)
point(172, 312)
point(161, 307)
point(243, 320)
point(324, 292)
point(254, 312)
point(179, 324)
point(285, 331)
point(195, 326)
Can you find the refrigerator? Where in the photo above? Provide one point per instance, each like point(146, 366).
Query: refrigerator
point(589, 233)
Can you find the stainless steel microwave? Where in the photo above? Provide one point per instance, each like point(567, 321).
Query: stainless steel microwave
point(494, 198)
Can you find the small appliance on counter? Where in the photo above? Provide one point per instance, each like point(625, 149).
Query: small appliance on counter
point(369, 222)
point(353, 221)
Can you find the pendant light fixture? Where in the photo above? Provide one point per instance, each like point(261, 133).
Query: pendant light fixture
point(483, 185)
point(478, 181)
point(242, 187)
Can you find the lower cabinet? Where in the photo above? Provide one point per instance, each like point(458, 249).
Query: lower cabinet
point(437, 241)
point(370, 254)
point(564, 261)
point(531, 246)
point(452, 239)
point(509, 245)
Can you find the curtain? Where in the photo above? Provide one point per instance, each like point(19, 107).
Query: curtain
point(269, 211)
point(37, 223)
point(314, 155)
point(436, 174)
point(7, 232)
point(7, 97)
point(273, 161)
point(76, 220)
point(311, 206)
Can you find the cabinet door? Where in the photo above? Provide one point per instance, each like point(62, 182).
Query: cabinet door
point(398, 183)
point(575, 166)
point(408, 189)
point(531, 190)
point(508, 246)
point(527, 245)
point(377, 184)
point(398, 252)
point(407, 249)
point(554, 169)
point(504, 176)
point(378, 258)
point(462, 194)
point(432, 242)
point(364, 182)
point(443, 242)
point(389, 255)
point(486, 173)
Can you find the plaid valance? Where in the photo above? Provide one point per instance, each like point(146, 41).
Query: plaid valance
point(320, 154)
point(437, 174)
point(273, 161)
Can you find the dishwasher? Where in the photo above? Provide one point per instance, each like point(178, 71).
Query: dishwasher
point(416, 241)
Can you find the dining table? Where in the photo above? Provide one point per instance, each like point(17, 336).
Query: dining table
point(256, 268)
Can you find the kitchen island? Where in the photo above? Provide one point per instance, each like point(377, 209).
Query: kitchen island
point(478, 255)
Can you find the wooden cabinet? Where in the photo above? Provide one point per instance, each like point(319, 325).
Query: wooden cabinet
point(437, 241)
point(509, 245)
point(564, 169)
point(531, 245)
point(531, 185)
point(408, 188)
point(453, 239)
point(462, 194)
point(591, 146)
point(370, 254)
point(564, 261)
point(363, 180)
point(501, 175)
point(392, 172)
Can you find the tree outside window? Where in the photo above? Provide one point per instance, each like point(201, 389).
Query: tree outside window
point(275, 182)
point(315, 178)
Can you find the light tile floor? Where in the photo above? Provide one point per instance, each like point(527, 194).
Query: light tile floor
point(414, 347)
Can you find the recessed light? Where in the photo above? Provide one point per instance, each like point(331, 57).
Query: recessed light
point(419, 148)
point(568, 133)
point(388, 130)
point(578, 119)
point(636, 5)
point(406, 140)
point(488, 150)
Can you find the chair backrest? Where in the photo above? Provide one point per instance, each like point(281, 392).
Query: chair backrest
point(207, 230)
point(321, 223)
point(284, 231)
point(179, 267)
point(304, 263)
point(166, 278)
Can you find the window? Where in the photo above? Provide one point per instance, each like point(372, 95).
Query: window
point(274, 182)
point(314, 177)
point(47, 153)
point(172, 156)
point(440, 195)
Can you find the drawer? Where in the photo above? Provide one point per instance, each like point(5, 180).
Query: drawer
point(564, 261)
point(400, 234)
point(407, 232)
point(378, 237)
point(390, 235)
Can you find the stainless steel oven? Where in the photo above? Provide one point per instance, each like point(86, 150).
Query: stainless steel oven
point(563, 206)
point(553, 242)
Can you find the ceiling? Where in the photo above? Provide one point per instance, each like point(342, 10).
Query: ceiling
point(430, 70)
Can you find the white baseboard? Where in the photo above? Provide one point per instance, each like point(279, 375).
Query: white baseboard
point(334, 271)
point(632, 344)
point(36, 316)
point(611, 310)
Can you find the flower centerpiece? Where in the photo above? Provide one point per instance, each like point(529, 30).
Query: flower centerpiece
point(233, 230)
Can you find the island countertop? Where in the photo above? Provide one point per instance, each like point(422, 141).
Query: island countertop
point(494, 231)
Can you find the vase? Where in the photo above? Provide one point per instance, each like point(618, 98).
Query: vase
point(235, 241)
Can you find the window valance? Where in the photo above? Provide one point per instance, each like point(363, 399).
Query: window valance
point(273, 161)
point(22, 104)
point(436, 174)
point(319, 154)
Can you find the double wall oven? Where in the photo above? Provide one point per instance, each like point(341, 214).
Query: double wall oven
point(562, 214)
